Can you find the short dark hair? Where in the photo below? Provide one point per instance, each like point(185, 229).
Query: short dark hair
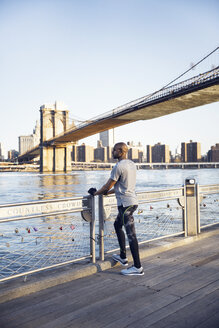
point(122, 146)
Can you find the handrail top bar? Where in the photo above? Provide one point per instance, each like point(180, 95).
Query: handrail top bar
point(210, 185)
point(149, 196)
point(208, 189)
point(45, 201)
point(159, 190)
point(28, 217)
point(151, 191)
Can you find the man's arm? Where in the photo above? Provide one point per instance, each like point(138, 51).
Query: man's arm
point(105, 188)
point(111, 191)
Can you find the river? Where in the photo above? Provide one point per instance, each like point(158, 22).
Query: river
point(20, 187)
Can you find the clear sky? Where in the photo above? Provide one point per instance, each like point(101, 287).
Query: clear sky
point(95, 55)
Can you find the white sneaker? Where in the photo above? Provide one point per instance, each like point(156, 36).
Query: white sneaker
point(117, 258)
point(133, 271)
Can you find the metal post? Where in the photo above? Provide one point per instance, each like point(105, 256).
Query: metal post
point(101, 229)
point(198, 208)
point(184, 212)
point(92, 230)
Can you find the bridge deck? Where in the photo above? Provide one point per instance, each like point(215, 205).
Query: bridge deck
point(180, 288)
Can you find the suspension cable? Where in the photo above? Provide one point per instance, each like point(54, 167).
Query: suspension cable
point(142, 99)
point(193, 66)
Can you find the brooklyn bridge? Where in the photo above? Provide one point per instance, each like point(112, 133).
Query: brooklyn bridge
point(55, 147)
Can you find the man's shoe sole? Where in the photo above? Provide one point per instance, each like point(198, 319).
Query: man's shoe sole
point(133, 274)
point(123, 264)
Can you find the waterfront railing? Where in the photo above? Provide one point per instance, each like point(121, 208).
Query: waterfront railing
point(41, 235)
point(159, 214)
point(208, 204)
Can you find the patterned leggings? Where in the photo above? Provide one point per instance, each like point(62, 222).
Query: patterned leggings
point(125, 217)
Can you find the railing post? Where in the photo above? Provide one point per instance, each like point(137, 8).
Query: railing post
point(184, 212)
point(192, 222)
point(198, 208)
point(101, 229)
point(92, 230)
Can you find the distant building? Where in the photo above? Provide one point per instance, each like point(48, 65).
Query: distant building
point(148, 154)
point(83, 153)
point(28, 142)
point(140, 156)
point(107, 138)
point(109, 154)
point(12, 154)
point(160, 153)
point(135, 152)
point(1, 152)
point(100, 154)
point(183, 152)
point(193, 151)
point(176, 159)
point(74, 156)
point(213, 154)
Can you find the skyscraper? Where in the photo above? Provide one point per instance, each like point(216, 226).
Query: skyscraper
point(107, 138)
point(193, 151)
point(100, 154)
point(183, 152)
point(149, 154)
point(28, 142)
point(213, 153)
point(84, 153)
point(160, 153)
point(1, 152)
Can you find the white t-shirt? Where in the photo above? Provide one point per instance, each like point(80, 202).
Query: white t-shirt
point(124, 173)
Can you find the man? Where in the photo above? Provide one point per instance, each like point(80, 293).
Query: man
point(123, 179)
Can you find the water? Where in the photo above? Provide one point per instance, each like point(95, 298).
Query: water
point(20, 187)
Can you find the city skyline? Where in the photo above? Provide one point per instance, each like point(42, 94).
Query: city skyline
point(97, 56)
point(159, 153)
point(27, 139)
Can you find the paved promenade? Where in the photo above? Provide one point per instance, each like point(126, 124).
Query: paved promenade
point(180, 288)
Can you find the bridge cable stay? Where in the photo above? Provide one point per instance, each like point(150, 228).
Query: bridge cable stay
point(144, 98)
point(192, 67)
point(178, 77)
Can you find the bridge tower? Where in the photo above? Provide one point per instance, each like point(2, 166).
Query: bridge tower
point(53, 121)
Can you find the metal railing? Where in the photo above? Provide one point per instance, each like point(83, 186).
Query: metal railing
point(160, 214)
point(45, 234)
point(208, 197)
point(39, 235)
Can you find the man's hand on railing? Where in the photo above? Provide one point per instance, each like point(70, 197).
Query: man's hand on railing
point(92, 191)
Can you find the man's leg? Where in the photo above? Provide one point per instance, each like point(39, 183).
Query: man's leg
point(131, 234)
point(120, 233)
